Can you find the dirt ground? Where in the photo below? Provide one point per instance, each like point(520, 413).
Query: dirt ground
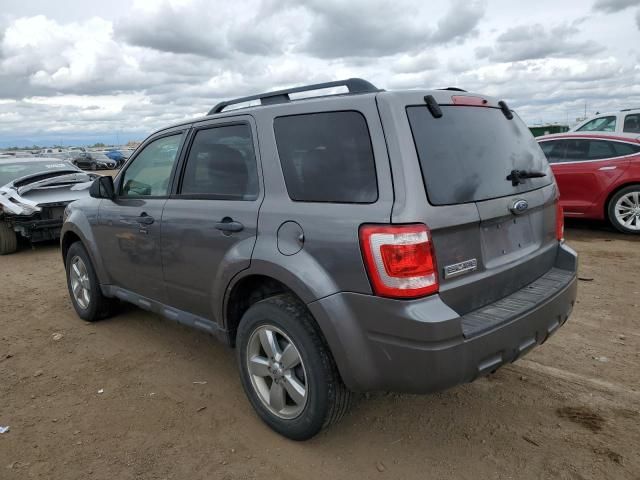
point(124, 398)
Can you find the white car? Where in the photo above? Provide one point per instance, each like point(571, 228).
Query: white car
point(624, 121)
point(33, 196)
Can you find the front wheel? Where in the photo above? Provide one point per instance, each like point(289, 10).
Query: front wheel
point(624, 210)
point(8, 239)
point(287, 370)
point(84, 289)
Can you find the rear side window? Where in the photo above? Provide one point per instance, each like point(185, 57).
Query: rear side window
point(554, 150)
point(632, 123)
point(222, 164)
point(625, 148)
point(327, 157)
point(602, 124)
point(582, 150)
point(599, 149)
point(467, 154)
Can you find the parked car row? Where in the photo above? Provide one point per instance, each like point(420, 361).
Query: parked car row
point(87, 159)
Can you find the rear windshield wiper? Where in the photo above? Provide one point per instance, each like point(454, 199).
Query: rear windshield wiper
point(516, 176)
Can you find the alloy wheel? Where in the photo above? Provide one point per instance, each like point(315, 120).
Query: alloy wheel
point(277, 372)
point(80, 283)
point(627, 210)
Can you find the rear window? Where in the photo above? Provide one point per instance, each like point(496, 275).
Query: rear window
point(327, 157)
point(467, 154)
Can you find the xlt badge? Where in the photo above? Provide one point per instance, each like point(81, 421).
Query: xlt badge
point(460, 268)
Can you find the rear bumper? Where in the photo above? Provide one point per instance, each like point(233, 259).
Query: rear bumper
point(422, 345)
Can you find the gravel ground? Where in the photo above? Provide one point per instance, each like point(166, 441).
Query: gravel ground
point(125, 398)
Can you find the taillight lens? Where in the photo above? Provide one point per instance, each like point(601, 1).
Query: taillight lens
point(559, 222)
point(399, 260)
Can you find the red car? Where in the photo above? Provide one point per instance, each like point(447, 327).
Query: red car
point(598, 175)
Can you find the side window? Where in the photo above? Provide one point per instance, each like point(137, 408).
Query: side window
point(222, 163)
point(554, 150)
point(632, 123)
point(600, 150)
point(150, 172)
point(625, 148)
point(327, 157)
point(577, 150)
point(602, 124)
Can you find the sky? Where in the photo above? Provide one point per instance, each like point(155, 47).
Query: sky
point(78, 72)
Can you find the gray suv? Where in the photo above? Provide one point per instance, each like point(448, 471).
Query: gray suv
point(366, 240)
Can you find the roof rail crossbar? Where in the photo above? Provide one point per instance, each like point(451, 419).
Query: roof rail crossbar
point(354, 85)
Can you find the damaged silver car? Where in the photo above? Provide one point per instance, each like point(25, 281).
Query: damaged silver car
point(33, 195)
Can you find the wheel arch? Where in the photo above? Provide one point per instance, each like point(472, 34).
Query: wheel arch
point(72, 233)
point(246, 290)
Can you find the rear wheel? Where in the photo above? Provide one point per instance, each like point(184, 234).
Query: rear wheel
point(624, 209)
point(8, 239)
point(84, 289)
point(287, 370)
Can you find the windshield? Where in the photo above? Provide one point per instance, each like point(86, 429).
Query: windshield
point(467, 154)
point(13, 171)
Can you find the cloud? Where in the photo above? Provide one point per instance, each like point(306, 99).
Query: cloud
point(108, 73)
point(340, 29)
point(613, 6)
point(527, 42)
point(214, 31)
point(460, 22)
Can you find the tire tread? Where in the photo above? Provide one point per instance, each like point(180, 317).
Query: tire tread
point(8, 239)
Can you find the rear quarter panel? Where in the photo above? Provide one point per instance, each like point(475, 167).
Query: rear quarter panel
point(330, 260)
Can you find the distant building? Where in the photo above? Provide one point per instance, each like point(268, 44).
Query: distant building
point(539, 130)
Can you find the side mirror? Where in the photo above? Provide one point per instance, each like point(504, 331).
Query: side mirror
point(102, 187)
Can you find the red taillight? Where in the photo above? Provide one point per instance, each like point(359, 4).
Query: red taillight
point(559, 222)
point(399, 260)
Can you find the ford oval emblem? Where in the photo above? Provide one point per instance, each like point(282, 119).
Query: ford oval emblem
point(519, 206)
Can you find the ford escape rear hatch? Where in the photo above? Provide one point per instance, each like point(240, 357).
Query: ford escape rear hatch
point(472, 154)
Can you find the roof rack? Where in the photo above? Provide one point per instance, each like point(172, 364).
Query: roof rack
point(629, 109)
point(354, 85)
point(455, 89)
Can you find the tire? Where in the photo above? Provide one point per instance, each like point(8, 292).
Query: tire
point(625, 206)
point(96, 306)
point(94, 167)
point(326, 398)
point(8, 239)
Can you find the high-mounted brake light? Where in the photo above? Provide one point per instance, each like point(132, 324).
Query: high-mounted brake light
point(469, 100)
point(559, 222)
point(400, 260)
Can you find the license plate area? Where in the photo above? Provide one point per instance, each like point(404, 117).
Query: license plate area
point(506, 240)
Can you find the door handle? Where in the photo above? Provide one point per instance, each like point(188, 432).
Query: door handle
point(608, 168)
point(229, 225)
point(145, 219)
